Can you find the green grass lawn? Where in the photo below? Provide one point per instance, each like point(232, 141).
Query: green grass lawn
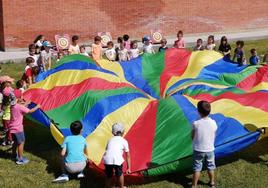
point(248, 168)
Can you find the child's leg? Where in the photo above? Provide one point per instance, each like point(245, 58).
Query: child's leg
point(198, 158)
point(119, 175)
point(20, 150)
point(109, 175)
point(210, 160)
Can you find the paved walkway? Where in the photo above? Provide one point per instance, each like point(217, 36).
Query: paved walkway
point(190, 39)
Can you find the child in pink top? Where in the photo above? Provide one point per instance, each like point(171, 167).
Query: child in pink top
point(97, 49)
point(180, 42)
point(126, 41)
point(18, 110)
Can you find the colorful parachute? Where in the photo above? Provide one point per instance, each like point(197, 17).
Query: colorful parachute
point(154, 96)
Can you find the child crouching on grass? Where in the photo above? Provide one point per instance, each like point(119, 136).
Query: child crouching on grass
point(203, 135)
point(113, 157)
point(74, 151)
point(18, 110)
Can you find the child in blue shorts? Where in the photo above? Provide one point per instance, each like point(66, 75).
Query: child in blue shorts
point(203, 135)
point(74, 151)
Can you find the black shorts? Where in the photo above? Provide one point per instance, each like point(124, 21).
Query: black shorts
point(110, 169)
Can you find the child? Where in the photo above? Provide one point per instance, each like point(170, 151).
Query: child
point(28, 73)
point(74, 47)
point(60, 55)
point(126, 41)
point(39, 41)
point(203, 135)
point(18, 110)
point(199, 45)
point(117, 48)
point(147, 45)
point(211, 43)
point(73, 153)
point(33, 55)
point(180, 43)
point(239, 53)
point(265, 57)
point(163, 46)
point(6, 89)
point(110, 53)
point(113, 157)
point(45, 57)
point(225, 48)
point(97, 49)
point(254, 59)
point(83, 51)
point(20, 86)
point(122, 53)
point(134, 51)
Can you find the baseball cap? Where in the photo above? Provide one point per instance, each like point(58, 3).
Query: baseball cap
point(17, 93)
point(7, 91)
point(118, 127)
point(47, 44)
point(146, 38)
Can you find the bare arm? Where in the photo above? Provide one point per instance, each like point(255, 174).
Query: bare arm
point(63, 152)
point(49, 63)
point(128, 163)
point(193, 134)
point(34, 109)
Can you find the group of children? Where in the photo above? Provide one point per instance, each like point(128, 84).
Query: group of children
point(13, 108)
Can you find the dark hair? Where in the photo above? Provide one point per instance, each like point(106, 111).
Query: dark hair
point(203, 108)
point(97, 38)
point(253, 50)
point(164, 41)
point(19, 84)
point(38, 38)
point(29, 60)
point(125, 37)
point(76, 127)
point(36, 70)
point(75, 37)
point(82, 47)
point(199, 40)
point(31, 46)
point(180, 32)
point(110, 43)
point(224, 38)
point(120, 39)
point(211, 37)
point(241, 43)
point(132, 43)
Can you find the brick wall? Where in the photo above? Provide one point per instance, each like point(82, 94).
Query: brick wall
point(2, 44)
point(24, 19)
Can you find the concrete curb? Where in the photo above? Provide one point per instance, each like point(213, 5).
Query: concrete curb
point(17, 55)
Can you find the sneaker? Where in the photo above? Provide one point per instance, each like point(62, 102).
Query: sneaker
point(61, 179)
point(22, 161)
point(80, 175)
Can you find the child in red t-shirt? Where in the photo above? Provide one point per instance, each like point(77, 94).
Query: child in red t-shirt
point(28, 72)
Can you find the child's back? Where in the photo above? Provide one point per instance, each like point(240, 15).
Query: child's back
point(74, 145)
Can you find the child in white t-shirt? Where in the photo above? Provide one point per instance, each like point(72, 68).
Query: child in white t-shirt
point(113, 157)
point(74, 47)
point(203, 135)
point(122, 53)
point(147, 45)
point(134, 52)
point(45, 57)
point(83, 50)
point(211, 43)
point(110, 53)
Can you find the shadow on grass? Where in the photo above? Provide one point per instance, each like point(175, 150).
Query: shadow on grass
point(40, 142)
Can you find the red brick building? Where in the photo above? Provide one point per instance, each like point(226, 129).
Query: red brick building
point(22, 20)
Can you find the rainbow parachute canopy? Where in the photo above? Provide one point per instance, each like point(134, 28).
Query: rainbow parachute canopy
point(155, 97)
